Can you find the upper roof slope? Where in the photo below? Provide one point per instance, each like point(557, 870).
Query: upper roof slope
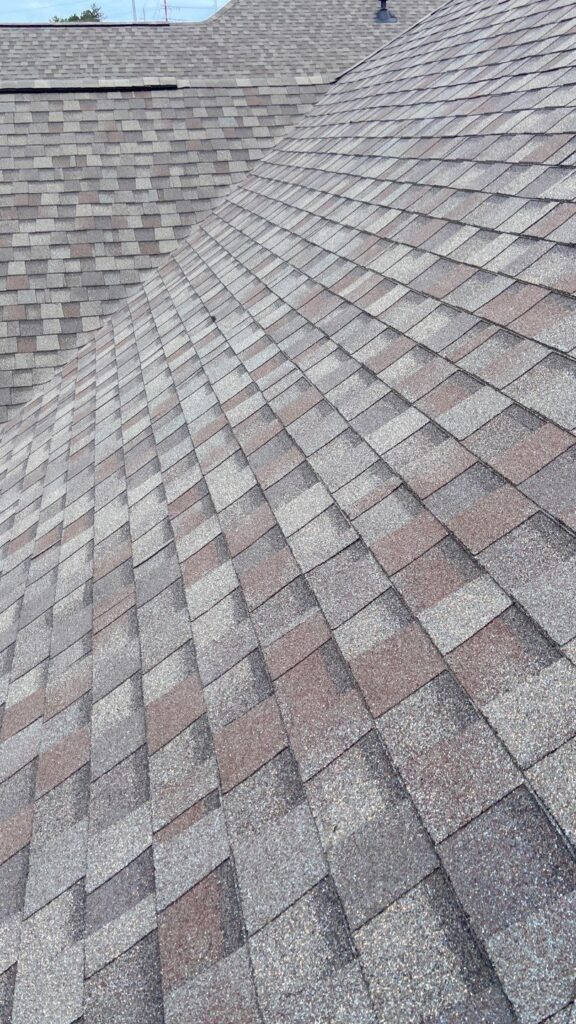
point(289, 579)
point(96, 186)
point(250, 37)
point(116, 139)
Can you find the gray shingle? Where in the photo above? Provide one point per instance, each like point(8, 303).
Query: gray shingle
point(286, 632)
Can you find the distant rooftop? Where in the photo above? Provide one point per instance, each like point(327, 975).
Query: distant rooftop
point(255, 37)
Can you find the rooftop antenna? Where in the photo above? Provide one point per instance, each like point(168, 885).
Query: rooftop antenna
point(384, 14)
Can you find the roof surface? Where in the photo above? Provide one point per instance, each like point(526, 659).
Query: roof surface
point(290, 575)
point(96, 186)
point(117, 138)
point(253, 37)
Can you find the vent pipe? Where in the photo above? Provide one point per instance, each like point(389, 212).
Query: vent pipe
point(384, 14)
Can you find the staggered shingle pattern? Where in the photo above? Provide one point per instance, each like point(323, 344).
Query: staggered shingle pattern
point(117, 138)
point(288, 600)
point(246, 37)
point(97, 186)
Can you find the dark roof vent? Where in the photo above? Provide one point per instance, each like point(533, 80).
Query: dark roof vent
point(384, 14)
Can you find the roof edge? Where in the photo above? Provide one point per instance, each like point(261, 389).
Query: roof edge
point(160, 82)
point(90, 24)
point(410, 28)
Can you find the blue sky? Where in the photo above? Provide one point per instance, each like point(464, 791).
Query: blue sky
point(114, 10)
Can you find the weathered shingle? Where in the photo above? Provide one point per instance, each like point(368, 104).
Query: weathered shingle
point(287, 628)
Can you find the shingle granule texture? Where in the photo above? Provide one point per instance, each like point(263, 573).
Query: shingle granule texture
point(116, 139)
point(287, 605)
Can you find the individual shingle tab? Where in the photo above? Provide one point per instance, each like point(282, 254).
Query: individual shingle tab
point(319, 974)
point(421, 958)
point(279, 857)
point(49, 983)
point(535, 562)
point(479, 507)
point(552, 487)
point(515, 841)
point(172, 697)
point(347, 582)
point(388, 652)
point(186, 952)
point(322, 708)
point(398, 528)
point(182, 772)
point(59, 841)
point(265, 567)
point(521, 682)
point(119, 819)
point(120, 912)
point(549, 389)
point(367, 824)
point(549, 778)
point(131, 982)
point(188, 849)
point(249, 741)
point(223, 636)
point(290, 626)
point(450, 596)
point(16, 809)
point(450, 760)
point(518, 443)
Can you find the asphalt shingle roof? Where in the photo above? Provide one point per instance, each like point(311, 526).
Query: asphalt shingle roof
point(97, 186)
point(117, 138)
point(246, 37)
point(287, 606)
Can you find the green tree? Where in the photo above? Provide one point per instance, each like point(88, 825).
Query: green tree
point(92, 13)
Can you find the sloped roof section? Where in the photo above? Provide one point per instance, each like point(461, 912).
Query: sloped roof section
point(117, 138)
point(250, 37)
point(98, 184)
point(289, 580)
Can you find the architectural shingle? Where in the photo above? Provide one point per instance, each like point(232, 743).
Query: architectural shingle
point(287, 629)
point(116, 139)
